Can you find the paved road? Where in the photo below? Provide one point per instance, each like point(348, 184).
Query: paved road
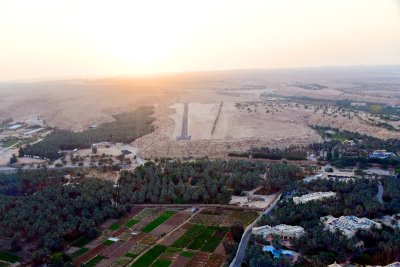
point(237, 261)
point(379, 195)
point(185, 122)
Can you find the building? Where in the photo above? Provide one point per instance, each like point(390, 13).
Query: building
point(381, 154)
point(313, 196)
point(282, 230)
point(33, 132)
point(342, 176)
point(348, 225)
point(390, 221)
point(15, 126)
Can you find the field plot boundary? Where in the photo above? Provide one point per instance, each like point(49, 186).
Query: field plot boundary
point(158, 221)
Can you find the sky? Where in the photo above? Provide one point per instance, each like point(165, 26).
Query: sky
point(69, 38)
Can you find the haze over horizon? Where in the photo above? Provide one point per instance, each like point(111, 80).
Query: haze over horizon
point(104, 38)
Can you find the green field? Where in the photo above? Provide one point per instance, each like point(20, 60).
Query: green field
point(159, 220)
point(8, 143)
point(108, 242)
point(200, 237)
point(83, 241)
point(130, 255)
point(8, 257)
point(94, 261)
point(131, 222)
point(149, 256)
point(162, 263)
point(114, 227)
point(201, 240)
point(79, 252)
point(187, 254)
point(211, 244)
point(189, 236)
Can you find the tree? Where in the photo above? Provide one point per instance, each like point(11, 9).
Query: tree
point(13, 159)
point(237, 231)
point(21, 152)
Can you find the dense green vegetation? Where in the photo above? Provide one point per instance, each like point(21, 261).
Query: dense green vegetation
point(114, 227)
point(149, 256)
point(161, 263)
point(385, 111)
point(72, 213)
point(79, 252)
point(126, 128)
point(131, 223)
point(8, 257)
point(280, 175)
point(289, 153)
point(200, 181)
point(94, 261)
point(344, 155)
point(159, 220)
point(319, 247)
point(310, 86)
point(189, 236)
point(61, 212)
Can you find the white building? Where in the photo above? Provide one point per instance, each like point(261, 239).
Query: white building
point(282, 230)
point(381, 154)
point(348, 225)
point(313, 196)
point(390, 221)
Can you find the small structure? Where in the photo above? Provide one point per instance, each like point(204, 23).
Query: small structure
point(194, 209)
point(381, 154)
point(282, 230)
point(348, 225)
point(15, 126)
point(313, 196)
point(113, 239)
point(343, 176)
point(33, 132)
point(334, 265)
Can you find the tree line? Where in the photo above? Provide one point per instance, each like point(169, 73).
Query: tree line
point(289, 153)
point(125, 128)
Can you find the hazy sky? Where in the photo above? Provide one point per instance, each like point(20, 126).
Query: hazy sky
point(53, 38)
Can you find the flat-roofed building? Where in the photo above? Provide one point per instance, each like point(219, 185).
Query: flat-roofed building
point(348, 225)
point(390, 221)
point(381, 154)
point(313, 196)
point(282, 230)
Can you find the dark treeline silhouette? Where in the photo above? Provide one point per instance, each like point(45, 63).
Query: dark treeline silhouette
point(200, 181)
point(126, 128)
point(40, 207)
point(289, 153)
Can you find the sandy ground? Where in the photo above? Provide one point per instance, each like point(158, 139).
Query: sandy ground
point(5, 156)
point(77, 104)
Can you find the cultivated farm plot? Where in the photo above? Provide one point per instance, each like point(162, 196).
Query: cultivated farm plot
point(224, 217)
point(158, 237)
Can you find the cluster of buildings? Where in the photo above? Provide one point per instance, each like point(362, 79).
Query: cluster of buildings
point(381, 154)
point(313, 196)
point(284, 231)
point(390, 221)
point(348, 225)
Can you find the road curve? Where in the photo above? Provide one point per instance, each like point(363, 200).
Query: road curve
point(237, 261)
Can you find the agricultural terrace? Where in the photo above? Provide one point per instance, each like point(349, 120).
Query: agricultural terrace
point(161, 237)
